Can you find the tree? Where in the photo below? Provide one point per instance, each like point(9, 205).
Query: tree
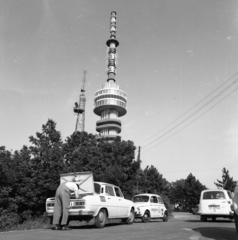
point(186, 192)
point(111, 162)
point(192, 190)
point(46, 164)
point(227, 182)
point(177, 192)
point(6, 190)
point(151, 181)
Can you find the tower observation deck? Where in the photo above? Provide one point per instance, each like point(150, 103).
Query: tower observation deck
point(110, 102)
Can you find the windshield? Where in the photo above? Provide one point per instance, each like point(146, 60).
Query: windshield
point(214, 195)
point(141, 198)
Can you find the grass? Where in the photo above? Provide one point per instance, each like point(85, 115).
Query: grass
point(11, 225)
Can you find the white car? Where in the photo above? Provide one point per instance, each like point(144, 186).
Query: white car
point(216, 203)
point(98, 200)
point(150, 206)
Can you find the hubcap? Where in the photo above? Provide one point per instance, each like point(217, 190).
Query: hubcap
point(101, 217)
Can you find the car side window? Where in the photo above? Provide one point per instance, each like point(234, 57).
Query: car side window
point(229, 194)
point(153, 199)
point(109, 191)
point(117, 191)
point(160, 200)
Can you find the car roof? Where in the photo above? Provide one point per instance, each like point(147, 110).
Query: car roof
point(215, 190)
point(147, 194)
point(103, 183)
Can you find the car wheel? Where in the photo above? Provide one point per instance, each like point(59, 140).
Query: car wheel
point(166, 216)
point(146, 217)
point(131, 217)
point(203, 219)
point(101, 219)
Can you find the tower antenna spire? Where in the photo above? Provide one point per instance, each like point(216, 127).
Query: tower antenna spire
point(110, 102)
point(79, 108)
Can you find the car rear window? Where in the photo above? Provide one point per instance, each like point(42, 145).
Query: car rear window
point(140, 198)
point(214, 195)
point(97, 188)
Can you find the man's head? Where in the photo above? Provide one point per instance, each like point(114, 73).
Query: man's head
point(76, 178)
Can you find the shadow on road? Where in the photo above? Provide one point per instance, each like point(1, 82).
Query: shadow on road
point(217, 233)
point(217, 221)
point(93, 227)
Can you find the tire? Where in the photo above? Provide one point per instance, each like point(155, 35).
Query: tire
point(101, 219)
point(203, 219)
point(131, 217)
point(51, 220)
point(146, 217)
point(166, 216)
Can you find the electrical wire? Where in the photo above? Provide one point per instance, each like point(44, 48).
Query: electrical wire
point(191, 115)
point(200, 169)
point(190, 109)
point(142, 151)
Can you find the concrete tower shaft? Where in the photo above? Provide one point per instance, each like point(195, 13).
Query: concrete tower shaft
point(110, 102)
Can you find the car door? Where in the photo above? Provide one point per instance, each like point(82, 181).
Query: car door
point(154, 206)
point(161, 207)
point(112, 202)
point(122, 203)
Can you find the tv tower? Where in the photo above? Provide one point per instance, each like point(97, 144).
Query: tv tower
point(79, 108)
point(110, 102)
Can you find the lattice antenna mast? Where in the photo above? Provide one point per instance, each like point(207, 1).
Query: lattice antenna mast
point(79, 108)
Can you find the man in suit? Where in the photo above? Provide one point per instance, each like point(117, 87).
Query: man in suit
point(62, 203)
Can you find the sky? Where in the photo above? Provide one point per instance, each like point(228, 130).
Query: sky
point(178, 64)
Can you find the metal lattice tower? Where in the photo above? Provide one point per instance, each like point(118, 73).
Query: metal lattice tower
point(79, 108)
point(110, 102)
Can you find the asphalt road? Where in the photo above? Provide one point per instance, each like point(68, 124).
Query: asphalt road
point(184, 226)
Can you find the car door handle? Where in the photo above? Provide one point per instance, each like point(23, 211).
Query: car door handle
point(119, 199)
point(109, 198)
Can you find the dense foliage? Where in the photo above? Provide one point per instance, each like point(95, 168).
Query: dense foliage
point(186, 192)
point(30, 175)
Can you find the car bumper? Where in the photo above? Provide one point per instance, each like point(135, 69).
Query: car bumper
point(75, 213)
point(217, 215)
point(137, 215)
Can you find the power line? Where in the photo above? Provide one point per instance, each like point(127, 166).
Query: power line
point(197, 170)
point(199, 109)
point(187, 124)
point(190, 108)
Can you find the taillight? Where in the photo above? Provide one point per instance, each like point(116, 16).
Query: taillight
point(78, 204)
point(50, 204)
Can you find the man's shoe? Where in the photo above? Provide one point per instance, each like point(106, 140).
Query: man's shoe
point(66, 228)
point(56, 228)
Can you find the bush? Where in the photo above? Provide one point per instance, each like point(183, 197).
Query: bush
point(12, 221)
point(9, 221)
point(167, 204)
